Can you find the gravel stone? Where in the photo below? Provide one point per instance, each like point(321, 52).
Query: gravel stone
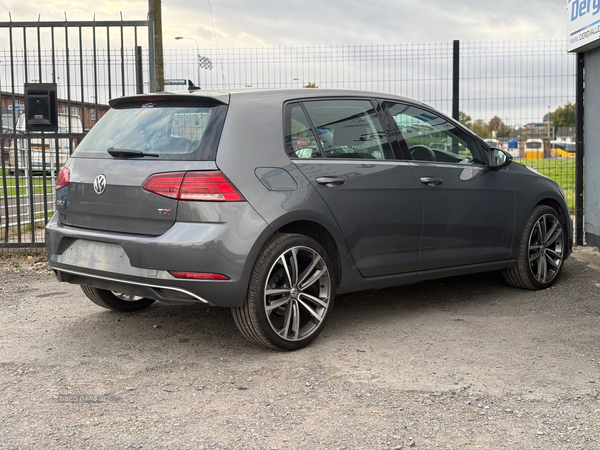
point(459, 363)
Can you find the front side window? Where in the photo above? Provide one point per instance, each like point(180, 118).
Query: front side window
point(431, 137)
point(336, 129)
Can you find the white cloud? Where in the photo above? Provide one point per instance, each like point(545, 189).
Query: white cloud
point(310, 22)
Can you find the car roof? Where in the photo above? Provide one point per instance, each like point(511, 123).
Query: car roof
point(225, 96)
point(290, 94)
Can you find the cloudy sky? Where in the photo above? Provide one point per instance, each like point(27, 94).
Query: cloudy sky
point(240, 23)
point(302, 25)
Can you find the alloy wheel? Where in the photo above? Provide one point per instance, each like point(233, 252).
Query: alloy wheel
point(127, 297)
point(546, 248)
point(297, 293)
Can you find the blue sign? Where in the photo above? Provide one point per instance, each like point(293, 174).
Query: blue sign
point(176, 82)
point(17, 107)
point(583, 30)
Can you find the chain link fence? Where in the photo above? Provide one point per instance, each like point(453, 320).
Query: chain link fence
point(519, 95)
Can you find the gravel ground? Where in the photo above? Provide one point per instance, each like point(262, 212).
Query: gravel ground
point(459, 363)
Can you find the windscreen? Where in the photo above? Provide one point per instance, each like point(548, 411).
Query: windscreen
point(533, 145)
point(173, 132)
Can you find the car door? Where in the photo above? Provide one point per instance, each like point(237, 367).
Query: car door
point(468, 208)
point(344, 151)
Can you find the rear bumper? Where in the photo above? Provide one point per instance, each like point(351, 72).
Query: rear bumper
point(140, 265)
point(157, 291)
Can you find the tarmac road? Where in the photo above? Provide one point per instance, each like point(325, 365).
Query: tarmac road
point(459, 363)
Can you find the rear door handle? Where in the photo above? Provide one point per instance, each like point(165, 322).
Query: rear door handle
point(431, 181)
point(330, 181)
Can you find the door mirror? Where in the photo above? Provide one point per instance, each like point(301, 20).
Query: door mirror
point(499, 158)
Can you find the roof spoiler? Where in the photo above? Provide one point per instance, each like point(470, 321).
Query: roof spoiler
point(164, 97)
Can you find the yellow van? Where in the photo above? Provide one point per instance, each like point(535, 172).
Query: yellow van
point(534, 149)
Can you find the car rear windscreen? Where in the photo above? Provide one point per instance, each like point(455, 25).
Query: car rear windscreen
point(171, 132)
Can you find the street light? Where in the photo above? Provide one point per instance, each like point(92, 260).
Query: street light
point(178, 38)
point(549, 116)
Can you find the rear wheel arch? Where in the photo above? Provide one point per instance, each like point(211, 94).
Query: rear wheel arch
point(308, 228)
point(321, 235)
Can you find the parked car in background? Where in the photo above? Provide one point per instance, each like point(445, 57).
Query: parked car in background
point(273, 202)
point(560, 149)
point(44, 155)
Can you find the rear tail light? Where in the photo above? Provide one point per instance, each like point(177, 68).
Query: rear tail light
point(165, 184)
point(210, 186)
point(64, 176)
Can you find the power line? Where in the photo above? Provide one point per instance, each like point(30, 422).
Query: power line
point(216, 41)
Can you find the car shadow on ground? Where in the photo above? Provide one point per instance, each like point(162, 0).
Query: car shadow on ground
point(200, 328)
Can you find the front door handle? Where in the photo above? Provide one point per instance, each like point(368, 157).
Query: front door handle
point(330, 181)
point(431, 181)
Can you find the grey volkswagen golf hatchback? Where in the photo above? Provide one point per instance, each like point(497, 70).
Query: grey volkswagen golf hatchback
point(272, 202)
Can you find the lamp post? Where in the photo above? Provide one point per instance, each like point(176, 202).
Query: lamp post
point(549, 122)
point(298, 79)
point(178, 38)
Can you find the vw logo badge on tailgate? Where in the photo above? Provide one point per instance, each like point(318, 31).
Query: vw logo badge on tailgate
point(100, 184)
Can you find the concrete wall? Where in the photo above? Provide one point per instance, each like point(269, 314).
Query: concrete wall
point(592, 147)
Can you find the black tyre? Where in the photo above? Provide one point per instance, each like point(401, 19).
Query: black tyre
point(290, 295)
point(541, 251)
point(115, 300)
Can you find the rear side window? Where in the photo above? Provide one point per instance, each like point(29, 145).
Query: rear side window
point(342, 128)
point(301, 140)
point(174, 133)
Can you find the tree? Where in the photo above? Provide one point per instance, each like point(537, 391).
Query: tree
point(480, 128)
point(504, 131)
point(495, 123)
point(563, 116)
point(311, 85)
point(501, 130)
point(464, 119)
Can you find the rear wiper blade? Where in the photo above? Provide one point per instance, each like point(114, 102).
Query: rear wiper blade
point(126, 153)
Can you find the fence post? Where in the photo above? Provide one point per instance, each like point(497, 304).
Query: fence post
point(155, 15)
point(139, 77)
point(455, 79)
point(151, 61)
point(579, 149)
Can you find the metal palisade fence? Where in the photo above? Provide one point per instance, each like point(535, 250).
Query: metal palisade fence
point(520, 95)
point(82, 65)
